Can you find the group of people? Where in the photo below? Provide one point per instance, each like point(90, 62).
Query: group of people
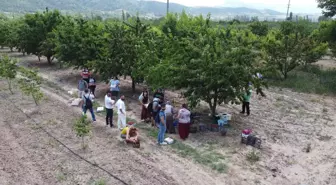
point(158, 112)
point(87, 82)
point(161, 114)
point(86, 91)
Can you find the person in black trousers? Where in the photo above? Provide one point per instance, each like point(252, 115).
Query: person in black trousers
point(246, 102)
point(109, 103)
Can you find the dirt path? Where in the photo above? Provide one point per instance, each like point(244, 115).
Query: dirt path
point(286, 121)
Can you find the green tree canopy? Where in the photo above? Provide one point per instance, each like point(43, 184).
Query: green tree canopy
point(209, 64)
point(38, 28)
point(292, 46)
point(259, 28)
point(328, 6)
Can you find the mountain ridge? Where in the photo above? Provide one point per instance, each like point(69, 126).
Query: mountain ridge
point(155, 8)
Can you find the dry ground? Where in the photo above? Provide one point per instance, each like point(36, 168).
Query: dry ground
point(286, 121)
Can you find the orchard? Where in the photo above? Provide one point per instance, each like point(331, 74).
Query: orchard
point(206, 60)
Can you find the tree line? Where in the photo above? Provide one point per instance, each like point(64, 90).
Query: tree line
point(208, 62)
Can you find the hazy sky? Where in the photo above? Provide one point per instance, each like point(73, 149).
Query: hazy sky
point(297, 6)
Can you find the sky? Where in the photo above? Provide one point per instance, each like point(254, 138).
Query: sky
point(297, 6)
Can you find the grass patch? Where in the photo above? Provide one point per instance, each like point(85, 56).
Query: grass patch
point(61, 177)
point(100, 182)
point(150, 131)
point(253, 156)
point(153, 133)
point(209, 158)
point(309, 79)
point(220, 167)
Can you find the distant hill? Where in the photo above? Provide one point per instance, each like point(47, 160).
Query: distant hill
point(142, 7)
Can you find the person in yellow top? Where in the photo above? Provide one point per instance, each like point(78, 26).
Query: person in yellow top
point(131, 135)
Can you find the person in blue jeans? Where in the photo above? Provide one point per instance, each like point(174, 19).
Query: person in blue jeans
point(162, 125)
point(115, 87)
point(88, 103)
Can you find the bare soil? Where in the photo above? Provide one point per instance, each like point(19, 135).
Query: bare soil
point(327, 63)
point(288, 122)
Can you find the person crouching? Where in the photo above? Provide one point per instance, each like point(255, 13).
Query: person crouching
point(131, 135)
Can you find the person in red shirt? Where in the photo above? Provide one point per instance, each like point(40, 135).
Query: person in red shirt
point(85, 74)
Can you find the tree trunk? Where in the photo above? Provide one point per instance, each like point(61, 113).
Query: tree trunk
point(212, 108)
point(49, 59)
point(35, 100)
point(39, 58)
point(213, 105)
point(10, 85)
point(83, 143)
point(285, 75)
point(11, 49)
point(133, 85)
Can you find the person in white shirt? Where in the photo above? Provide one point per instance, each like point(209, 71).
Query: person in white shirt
point(121, 112)
point(87, 99)
point(109, 103)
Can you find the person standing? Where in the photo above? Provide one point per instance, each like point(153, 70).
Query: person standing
point(162, 125)
point(109, 103)
point(170, 118)
point(85, 74)
point(114, 87)
point(82, 86)
point(155, 111)
point(246, 101)
point(121, 112)
point(144, 100)
point(92, 84)
point(88, 104)
point(159, 94)
point(184, 122)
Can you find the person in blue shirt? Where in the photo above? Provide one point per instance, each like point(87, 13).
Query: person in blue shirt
point(162, 125)
point(115, 87)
